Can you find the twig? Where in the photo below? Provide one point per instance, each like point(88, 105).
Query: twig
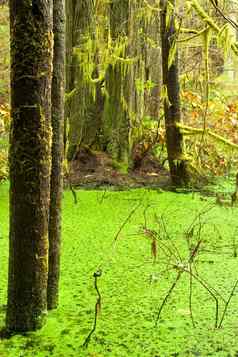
point(227, 303)
point(198, 217)
point(225, 17)
point(103, 196)
point(170, 240)
point(194, 252)
point(73, 193)
point(126, 221)
point(191, 294)
point(96, 275)
point(167, 296)
point(210, 292)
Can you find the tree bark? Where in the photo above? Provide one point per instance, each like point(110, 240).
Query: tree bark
point(84, 108)
point(116, 121)
point(174, 139)
point(57, 113)
point(30, 161)
point(153, 70)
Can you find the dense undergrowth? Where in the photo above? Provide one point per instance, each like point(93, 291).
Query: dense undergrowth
point(134, 283)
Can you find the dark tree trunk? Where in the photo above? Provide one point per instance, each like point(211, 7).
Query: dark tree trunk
point(57, 112)
point(174, 139)
point(30, 150)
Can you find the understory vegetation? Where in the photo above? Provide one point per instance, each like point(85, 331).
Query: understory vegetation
point(137, 242)
point(208, 92)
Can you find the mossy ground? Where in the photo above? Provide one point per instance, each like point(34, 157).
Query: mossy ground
point(131, 286)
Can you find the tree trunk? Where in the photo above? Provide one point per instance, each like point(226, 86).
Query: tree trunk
point(116, 121)
point(57, 112)
point(30, 151)
point(145, 80)
point(84, 107)
point(153, 72)
point(174, 139)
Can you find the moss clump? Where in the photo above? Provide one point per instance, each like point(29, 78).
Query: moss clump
point(121, 167)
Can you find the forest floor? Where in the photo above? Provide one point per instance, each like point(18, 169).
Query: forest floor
point(97, 169)
point(144, 242)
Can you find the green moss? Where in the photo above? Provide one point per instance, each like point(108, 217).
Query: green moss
point(122, 167)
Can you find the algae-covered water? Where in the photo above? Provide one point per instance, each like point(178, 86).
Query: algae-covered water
point(115, 232)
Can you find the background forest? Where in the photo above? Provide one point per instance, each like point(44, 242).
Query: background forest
point(149, 213)
point(114, 60)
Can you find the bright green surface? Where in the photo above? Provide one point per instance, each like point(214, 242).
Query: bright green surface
point(129, 299)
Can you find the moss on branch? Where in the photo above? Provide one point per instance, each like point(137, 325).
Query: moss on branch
point(188, 130)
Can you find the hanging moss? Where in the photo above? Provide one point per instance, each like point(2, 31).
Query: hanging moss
point(211, 23)
point(120, 41)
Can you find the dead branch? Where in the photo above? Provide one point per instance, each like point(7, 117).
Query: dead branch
point(96, 275)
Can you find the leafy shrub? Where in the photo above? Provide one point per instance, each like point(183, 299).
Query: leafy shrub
point(211, 154)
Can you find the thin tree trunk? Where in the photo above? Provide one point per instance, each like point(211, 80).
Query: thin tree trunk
point(30, 151)
point(174, 139)
point(57, 111)
point(153, 70)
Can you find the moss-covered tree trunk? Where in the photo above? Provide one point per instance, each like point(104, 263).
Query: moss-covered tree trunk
point(152, 68)
point(136, 75)
point(129, 98)
point(145, 79)
point(116, 116)
point(84, 99)
point(30, 151)
point(116, 121)
point(174, 139)
point(109, 41)
point(57, 113)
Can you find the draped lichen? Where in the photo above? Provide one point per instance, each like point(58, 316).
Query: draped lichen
point(112, 37)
